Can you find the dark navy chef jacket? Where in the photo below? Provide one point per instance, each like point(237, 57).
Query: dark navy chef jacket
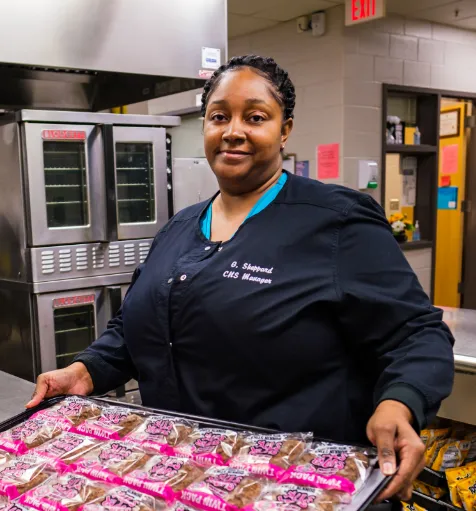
point(304, 321)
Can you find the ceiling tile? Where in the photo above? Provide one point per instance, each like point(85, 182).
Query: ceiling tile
point(283, 10)
point(450, 13)
point(249, 7)
point(412, 6)
point(241, 25)
point(467, 23)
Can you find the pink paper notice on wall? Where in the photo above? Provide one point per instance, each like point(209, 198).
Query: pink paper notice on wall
point(328, 161)
point(449, 163)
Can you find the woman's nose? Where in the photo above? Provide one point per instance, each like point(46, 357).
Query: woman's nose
point(234, 131)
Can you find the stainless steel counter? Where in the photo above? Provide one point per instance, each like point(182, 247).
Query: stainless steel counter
point(14, 394)
point(462, 323)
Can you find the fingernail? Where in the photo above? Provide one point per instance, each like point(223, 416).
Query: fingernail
point(388, 469)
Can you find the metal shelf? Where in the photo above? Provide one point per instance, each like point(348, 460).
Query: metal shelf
point(411, 149)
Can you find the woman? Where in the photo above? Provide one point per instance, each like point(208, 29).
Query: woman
point(281, 302)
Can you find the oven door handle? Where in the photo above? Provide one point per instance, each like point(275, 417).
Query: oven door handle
point(110, 177)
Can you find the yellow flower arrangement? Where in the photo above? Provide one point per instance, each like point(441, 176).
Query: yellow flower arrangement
point(400, 225)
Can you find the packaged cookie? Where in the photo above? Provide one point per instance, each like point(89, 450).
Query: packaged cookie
point(22, 474)
point(453, 478)
point(110, 461)
point(164, 476)
point(65, 449)
point(123, 498)
point(209, 446)
point(451, 454)
point(5, 457)
point(407, 506)
point(291, 497)
point(467, 493)
point(431, 491)
point(160, 433)
point(73, 411)
point(223, 488)
point(471, 437)
point(68, 492)
point(436, 440)
point(114, 423)
point(29, 434)
point(270, 455)
point(12, 506)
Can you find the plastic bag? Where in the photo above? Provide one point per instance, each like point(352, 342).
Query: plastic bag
point(407, 506)
point(291, 497)
point(111, 461)
point(224, 489)
point(123, 498)
point(5, 457)
point(436, 439)
point(454, 476)
point(471, 437)
point(159, 433)
point(73, 411)
point(12, 506)
point(68, 492)
point(164, 476)
point(65, 449)
point(114, 423)
point(270, 455)
point(209, 446)
point(467, 493)
point(29, 434)
point(332, 467)
point(451, 455)
point(22, 474)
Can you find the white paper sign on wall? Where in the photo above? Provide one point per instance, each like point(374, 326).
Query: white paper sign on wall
point(359, 11)
point(211, 58)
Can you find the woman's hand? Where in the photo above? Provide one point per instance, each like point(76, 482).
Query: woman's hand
point(390, 430)
point(74, 379)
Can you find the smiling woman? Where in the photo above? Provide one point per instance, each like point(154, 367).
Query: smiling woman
point(280, 302)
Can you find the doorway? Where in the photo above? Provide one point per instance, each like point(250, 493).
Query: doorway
point(455, 247)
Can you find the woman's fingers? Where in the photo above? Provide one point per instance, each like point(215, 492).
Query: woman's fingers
point(40, 392)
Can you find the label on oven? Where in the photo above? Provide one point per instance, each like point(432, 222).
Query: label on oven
point(63, 135)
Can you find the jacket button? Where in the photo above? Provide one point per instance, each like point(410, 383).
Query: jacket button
point(208, 248)
point(170, 281)
point(183, 277)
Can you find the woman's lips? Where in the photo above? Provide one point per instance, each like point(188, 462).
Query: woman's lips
point(233, 156)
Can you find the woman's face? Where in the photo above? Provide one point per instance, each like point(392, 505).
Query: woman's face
point(244, 131)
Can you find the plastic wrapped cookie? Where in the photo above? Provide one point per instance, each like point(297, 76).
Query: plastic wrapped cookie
point(111, 461)
point(224, 488)
point(29, 434)
point(332, 467)
point(68, 492)
point(22, 474)
point(12, 506)
point(164, 476)
point(291, 497)
point(66, 449)
point(123, 498)
point(160, 433)
point(114, 423)
point(73, 410)
point(270, 455)
point(209, 446)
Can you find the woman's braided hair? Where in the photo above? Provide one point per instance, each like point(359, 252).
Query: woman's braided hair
point(282, 86)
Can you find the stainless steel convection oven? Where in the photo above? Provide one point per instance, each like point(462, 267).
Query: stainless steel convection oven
point(83, 193)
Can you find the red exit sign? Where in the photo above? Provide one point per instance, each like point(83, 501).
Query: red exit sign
point(358, 11)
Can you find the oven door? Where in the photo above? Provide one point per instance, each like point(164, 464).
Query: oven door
point(68, 322)
point(66, 189)
point(140, 181)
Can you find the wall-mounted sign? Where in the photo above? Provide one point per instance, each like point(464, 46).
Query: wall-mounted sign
point(358, 11)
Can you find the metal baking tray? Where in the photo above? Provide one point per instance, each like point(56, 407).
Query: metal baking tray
point(363, 500)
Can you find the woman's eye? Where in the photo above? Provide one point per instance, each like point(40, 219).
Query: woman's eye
point(256, 118)
point(218, 117)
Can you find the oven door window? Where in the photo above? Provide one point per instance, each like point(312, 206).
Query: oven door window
point(66, 184)
point(135, 183)
point(74, 332)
